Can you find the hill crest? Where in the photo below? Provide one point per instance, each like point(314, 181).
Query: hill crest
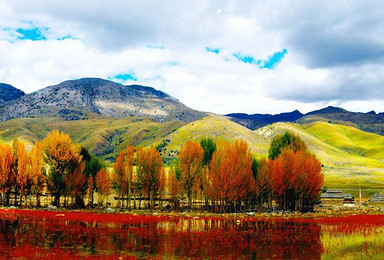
point(94, 97)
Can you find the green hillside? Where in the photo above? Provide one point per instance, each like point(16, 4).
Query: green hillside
point(104, 137)
point(219, 128)
point(349, 138)
point(342, 168)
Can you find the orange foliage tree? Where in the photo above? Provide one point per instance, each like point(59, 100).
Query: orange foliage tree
point(162, 186)
point(75, 181)
point(103, 185)
point(129, 161)
point(190, 164)
point(174, 186)
point(149, 169)
point(296, 179)
point(124, 173)
point(231, 174)
point(263, 187)
point(64, 160)
point(119, 174)
point(6, 159)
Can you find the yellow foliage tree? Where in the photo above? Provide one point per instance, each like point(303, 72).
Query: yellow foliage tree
point(6, 159)
point(35, 171)
point(190, 163)
point(63, 158)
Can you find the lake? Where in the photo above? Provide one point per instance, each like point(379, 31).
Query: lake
point(52, 234)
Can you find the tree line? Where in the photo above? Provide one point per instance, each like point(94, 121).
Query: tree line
point(218, 177)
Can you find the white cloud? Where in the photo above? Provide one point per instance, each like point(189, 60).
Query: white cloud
point(111, 39)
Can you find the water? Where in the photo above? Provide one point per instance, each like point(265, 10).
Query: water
point(87, 235)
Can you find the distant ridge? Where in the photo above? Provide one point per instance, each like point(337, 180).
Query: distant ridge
point(371, 122)
point(328, 110)
point(82, 98)
point(9, 93)
point(259, 120)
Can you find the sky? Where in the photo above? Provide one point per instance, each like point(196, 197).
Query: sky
point(220, 56)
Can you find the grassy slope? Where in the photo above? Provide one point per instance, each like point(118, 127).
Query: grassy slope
point(349, 138)
point(342, 168)
point(104, 137)
point(217, 127)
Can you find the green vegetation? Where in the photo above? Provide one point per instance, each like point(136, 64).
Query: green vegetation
point(349, 139)
point(103, 137)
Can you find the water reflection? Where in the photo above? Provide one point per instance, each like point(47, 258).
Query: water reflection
point(171, 238)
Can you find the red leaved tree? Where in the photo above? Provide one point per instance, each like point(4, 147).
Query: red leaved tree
point(231, 174)
point(103, 185)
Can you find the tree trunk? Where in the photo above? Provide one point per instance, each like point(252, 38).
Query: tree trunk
point(38, 199)
point(57, 199)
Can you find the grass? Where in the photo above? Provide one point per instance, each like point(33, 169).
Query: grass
point(217, 127)
point(363, 243)
point(349, 139)
point(102, 136)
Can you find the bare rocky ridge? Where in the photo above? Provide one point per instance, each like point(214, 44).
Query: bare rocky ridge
point(76, 99)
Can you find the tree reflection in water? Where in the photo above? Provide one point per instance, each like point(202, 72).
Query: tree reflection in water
point(32, 234)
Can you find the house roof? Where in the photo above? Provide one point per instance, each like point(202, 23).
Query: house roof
point(377, 197)
point(332, 194)
point(336, 194)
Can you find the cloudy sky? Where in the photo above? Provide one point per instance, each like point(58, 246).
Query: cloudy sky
point(221, 56)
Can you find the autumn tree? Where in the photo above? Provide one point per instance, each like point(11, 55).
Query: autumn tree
point(231, 173)
point(19, 169)
point(295, 174)
point(287, 140)
point(190, 164)
point(162, 186)
point(6, 159)
point(128, 167)
point(174, 186)
point(62, 157)
point(309, 180)
point(92, 165)
point(103, 185)
point(36, 171)
point(149, 169)
point(261, 174)
point(124, 173)
point(119, 175)
point(75, 181)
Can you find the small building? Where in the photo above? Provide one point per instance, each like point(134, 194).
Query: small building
point(377, 197)
point(337, 198)
point(332, 198)
point(349, 200)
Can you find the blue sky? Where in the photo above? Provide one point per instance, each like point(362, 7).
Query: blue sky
point(220, 56)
